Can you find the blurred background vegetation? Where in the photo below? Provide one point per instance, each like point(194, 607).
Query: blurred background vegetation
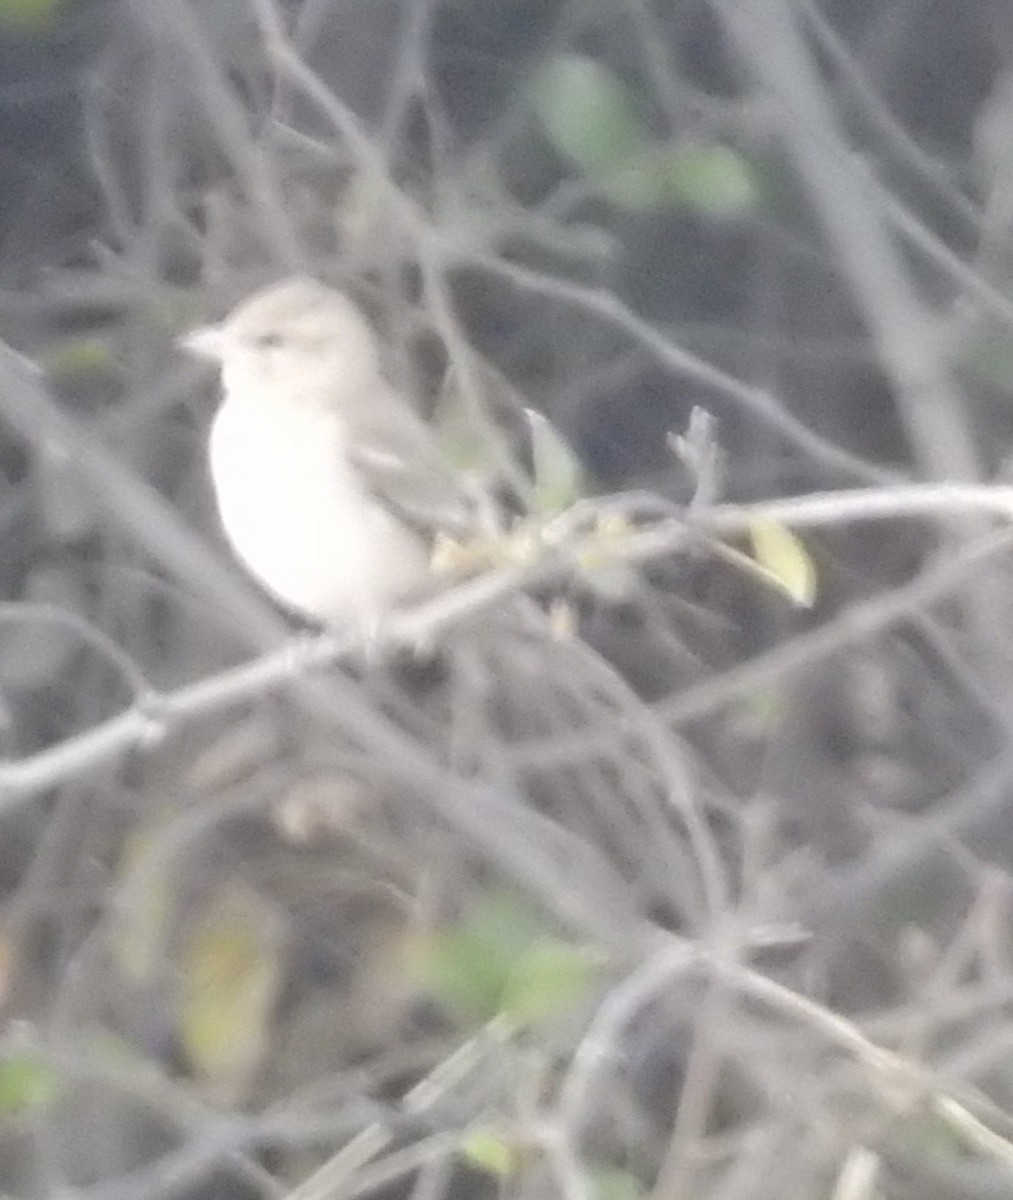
point(632, 902)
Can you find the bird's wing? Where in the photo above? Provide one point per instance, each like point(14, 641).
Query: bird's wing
point(400, 465)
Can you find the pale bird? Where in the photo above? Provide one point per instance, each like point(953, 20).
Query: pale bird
point(328, 483)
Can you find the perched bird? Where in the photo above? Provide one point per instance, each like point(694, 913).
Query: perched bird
point(329, 485)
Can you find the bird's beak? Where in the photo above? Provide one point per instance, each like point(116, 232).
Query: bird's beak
point(206, 342)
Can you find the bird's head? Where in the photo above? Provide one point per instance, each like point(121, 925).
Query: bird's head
point(298, 340)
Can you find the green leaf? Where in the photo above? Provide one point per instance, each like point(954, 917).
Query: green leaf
point(230, 975)
point(79, 359)
point(461, 976)
point(551, 977)
point(558, 472)
point(468, 969)
point(500, 962)
point(715, 180)
point(30, 16)
point(588, 114)
point(26, 1084)
point(492, 1153)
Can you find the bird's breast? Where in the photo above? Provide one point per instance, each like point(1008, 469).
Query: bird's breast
point(298, 516)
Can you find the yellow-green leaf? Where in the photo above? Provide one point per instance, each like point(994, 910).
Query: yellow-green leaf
point(785, 560)
point(588, 114)
point(460, 975)
point(27, 1083)
point(499, 961)
point(468, 968)
point(550, 978)
point(716, 180)
point(230, 976)
point(74, 360)
point(558, 472)
point(491, 1152)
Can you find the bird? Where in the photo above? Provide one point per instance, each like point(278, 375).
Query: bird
point(329, 486)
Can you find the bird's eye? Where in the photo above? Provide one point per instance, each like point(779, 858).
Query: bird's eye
point(267, 341)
